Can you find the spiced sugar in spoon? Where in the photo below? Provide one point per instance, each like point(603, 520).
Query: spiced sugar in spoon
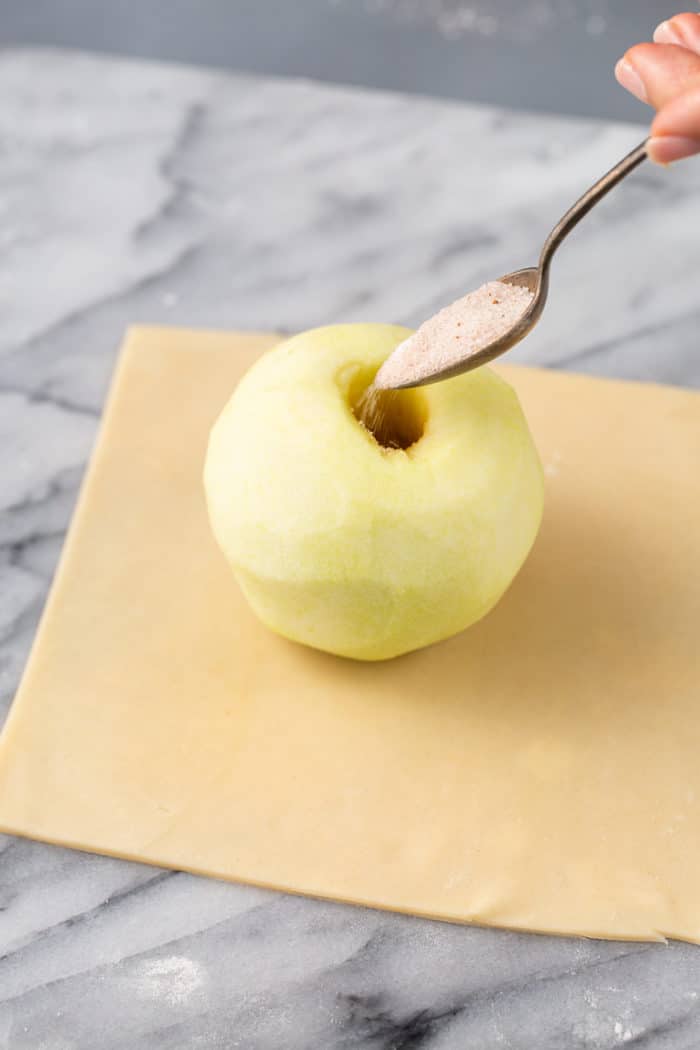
point(489, 321)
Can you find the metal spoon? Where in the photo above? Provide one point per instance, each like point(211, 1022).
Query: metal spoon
point(536, 278)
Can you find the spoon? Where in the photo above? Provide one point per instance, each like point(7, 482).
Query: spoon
point(536, 278)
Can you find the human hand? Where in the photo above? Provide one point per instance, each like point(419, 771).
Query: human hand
point(666, 74)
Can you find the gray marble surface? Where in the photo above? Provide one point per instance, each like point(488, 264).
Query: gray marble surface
point(133, 192)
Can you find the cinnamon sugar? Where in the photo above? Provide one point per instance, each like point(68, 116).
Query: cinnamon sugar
point(456, 332)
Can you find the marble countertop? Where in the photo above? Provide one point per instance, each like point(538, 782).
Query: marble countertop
point(132, 192)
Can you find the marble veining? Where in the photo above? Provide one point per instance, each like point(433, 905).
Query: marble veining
point(132, 192)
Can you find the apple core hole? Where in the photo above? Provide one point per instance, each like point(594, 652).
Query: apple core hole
point(395, 418)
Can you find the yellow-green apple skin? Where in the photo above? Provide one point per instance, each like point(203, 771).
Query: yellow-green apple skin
point(353, 548)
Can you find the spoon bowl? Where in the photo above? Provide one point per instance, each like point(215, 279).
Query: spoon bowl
point(535, 278)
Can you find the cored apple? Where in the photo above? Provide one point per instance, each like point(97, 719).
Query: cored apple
point(364, 545)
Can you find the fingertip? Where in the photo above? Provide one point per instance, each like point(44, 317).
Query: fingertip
point(667, 149)
point(683, 30)
point(644, 52)
point(628, 77)
point(658, 73)
point(666, 33)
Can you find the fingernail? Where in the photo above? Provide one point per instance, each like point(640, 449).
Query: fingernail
point(665, 149)
point(630, 79)
point(666, 33)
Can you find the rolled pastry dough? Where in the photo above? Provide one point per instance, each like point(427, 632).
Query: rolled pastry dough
point(540, 771)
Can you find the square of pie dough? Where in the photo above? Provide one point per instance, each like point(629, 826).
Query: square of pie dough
point(540, 771)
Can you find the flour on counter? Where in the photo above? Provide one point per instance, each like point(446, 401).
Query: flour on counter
point(174, 979)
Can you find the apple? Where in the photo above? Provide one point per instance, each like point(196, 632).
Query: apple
point(345, 544)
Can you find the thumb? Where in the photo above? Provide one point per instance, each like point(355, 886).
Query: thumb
point(675, 132)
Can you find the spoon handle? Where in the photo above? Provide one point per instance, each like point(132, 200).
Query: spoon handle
point(590, 198)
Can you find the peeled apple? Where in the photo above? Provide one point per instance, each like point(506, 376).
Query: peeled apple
point(359, 549)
